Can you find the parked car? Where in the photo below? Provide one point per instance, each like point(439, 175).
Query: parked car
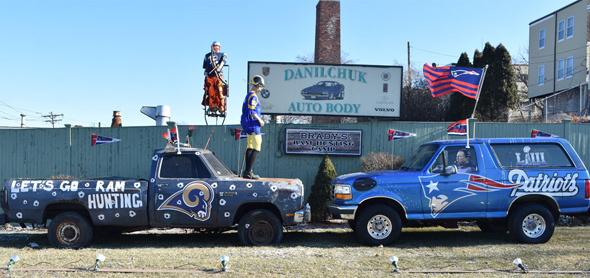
point(324, 90)
point(187, 187)
point(519, 185)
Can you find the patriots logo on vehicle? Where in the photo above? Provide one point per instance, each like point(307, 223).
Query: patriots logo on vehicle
point(456, 73)
point(441, 197)
point(194, 200)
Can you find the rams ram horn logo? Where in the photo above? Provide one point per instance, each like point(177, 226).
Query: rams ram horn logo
point(194, 200)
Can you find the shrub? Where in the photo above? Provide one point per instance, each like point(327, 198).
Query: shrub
point(381, 161)
point(320, 191)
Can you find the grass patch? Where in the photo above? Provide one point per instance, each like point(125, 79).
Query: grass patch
point(321, 252)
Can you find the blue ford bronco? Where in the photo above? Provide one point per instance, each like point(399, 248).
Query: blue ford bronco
point(517, 185)
point(188, 188)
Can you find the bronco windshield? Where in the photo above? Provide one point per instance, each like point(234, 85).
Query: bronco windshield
point(420, 158)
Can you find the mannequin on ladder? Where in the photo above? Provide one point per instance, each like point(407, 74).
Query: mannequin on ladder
point(214, 97)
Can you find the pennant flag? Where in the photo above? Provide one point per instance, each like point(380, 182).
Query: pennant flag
point(444, 80)
point(537, 133)
point(240, 135)
point(173, 134)
point(397, 134)
point(458, 128)
point(99, 140)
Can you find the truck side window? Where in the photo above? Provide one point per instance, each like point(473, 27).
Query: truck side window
point(183, 167)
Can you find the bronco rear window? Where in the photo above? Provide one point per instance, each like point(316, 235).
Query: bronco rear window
point(523, 155)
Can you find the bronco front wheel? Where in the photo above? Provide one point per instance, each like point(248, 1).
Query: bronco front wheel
point(378, 224)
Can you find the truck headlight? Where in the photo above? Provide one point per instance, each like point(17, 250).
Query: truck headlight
point(342, 191)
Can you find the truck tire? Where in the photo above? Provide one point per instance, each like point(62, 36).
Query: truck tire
point(378, 225)
point(69, 230)
point(260, 227)
point(532, 223)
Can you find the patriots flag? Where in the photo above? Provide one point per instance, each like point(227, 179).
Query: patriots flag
point(445, 80)
point(99, 140)
point(538, 133)
point(398, 134)
point(457, 128)
point(240, 135)
point(173, 134)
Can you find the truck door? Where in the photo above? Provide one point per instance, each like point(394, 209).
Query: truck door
point(184, 195)
point(458, 195)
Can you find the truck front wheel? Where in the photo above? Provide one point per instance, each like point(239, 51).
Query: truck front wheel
point(69, 230)
point(532, 223)
point(260, 227)
point(378, 224)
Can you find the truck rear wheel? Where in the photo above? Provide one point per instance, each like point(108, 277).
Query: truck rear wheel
point(378, 224)
point(532, 223)
point(260, 227)
point(69, 230)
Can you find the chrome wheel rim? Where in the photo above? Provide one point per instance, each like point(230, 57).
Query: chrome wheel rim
point(379, 226)
point(534, 225)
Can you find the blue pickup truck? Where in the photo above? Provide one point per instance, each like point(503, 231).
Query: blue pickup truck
point(187, 187)
point(517, 185)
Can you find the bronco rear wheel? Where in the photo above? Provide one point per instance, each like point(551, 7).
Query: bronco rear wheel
point(69, 230)
point(378, 224)
point(532, 223)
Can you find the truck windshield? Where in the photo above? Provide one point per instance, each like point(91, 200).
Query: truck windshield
point(420, 157)
point(217, 165)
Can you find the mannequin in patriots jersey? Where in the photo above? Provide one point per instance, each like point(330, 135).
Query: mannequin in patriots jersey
point(251, 122)
point(213, 64)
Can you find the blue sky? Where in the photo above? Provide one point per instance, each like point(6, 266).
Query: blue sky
point(87, 58)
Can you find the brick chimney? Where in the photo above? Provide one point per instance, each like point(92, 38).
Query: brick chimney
point(327, 32)
point(327, 43)
point(116, 119)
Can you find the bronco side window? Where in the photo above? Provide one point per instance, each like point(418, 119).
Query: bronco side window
point(525, 155)
point(463, 158)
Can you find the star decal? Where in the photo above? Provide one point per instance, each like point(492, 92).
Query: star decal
point(432, 186)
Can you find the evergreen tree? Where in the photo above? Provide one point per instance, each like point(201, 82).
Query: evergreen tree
point(320, 191)
point(499, 92)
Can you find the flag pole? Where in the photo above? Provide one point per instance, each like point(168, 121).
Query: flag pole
point(467, 121)
point(483, 76)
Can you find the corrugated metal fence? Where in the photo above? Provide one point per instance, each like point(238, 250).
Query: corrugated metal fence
point(52, 152)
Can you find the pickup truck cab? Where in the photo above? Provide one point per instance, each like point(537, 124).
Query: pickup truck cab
point(187, 187)
point(516, 185)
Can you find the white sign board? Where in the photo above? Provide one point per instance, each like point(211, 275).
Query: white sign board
point(329, 90)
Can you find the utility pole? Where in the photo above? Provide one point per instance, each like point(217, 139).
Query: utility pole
point(52, 118)
point(409, 67)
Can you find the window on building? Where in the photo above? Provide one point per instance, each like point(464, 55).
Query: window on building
point(569, 65)
point(542, 39)
point(560, 69)
point(541, 75)
point(561, 30)
point(570, 26)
